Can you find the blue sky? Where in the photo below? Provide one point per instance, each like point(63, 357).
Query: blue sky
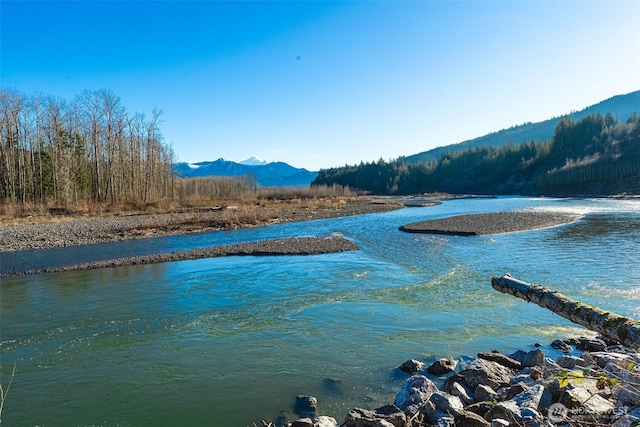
point(320, 84)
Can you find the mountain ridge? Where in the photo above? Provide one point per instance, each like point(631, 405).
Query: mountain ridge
point(620, 106)
point(273, 174)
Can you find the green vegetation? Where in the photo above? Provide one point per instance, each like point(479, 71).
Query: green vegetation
point(597, 155)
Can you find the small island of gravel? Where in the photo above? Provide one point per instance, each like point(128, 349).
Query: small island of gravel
point(287, 246)
point(490, 223)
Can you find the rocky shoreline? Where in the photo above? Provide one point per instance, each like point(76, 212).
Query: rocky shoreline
point(593, 383)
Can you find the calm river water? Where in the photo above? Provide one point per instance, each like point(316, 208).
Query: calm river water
point(228, 341)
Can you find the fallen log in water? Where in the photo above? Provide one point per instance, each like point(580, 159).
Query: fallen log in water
point(613, 326)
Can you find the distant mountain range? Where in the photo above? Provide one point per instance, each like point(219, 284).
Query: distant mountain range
point(620, 106)
point(274, 174)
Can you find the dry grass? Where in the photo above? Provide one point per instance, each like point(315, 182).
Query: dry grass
point(234, 212)
point(207, 193)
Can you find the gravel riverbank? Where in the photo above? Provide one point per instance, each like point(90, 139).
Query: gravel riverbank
point(490, 223)
point(96, 230)
point(290, 246)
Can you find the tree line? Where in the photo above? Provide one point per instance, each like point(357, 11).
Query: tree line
point(594, 150)
point(89, 149)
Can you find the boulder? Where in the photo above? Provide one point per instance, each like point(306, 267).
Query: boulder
point(505, 411)
point(590, 344)
point(524, 379)
point(626, 421)
point(530, 358)
point(550, 367)
point(561, 345)
point(507, 393)
point(302, 422)
point(464, 418)
point(390, 414)
point(324, 421)
point(581, 402)
point(411, 366)
point(305, 406)
point(440, 407)
point(480, 408)
point(484, 393)
point(442, 367)
point(458, 390)
point(626, 394)
point(487, 373)
point(502, 360)
point(603, 357)
point(570, 362)
point(414, 392)
point(536, 397)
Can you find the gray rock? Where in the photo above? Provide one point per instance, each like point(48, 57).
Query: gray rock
point(550, 367)
point(570, 362)
point(626, 376)
point(582, 402)
point(480, 408)
point(502, 360)
point(524, 379)
point(562, 346)
point(530, 414)
point(324, 421)
point(626, 394)
point(504, 410)
point(507, 393)
point(305, 406)
point(440, 407)
point(484, 393)
point(458, 390)
point(445, 402)
point(414, 392)
point(302, 422)
point(532, 397)
point(590, 344)
point(488, 373)
point(411, 366)
point(603, 357)
point(626, 421)
point(464, 418)
point(442, 366)
point(358, 417)
point(531, 358)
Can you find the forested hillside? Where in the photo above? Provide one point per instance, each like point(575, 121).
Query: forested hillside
point(89, 149)
point(596, 155)
point(619, 106)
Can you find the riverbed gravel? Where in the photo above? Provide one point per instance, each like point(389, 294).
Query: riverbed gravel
point(126, 227)
point(490, 223)
point(287, 246)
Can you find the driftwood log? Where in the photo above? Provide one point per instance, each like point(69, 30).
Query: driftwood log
point(612, 326)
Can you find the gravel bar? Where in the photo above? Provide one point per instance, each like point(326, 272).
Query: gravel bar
point(490, 223)
point(287, 246)
point(117, 228)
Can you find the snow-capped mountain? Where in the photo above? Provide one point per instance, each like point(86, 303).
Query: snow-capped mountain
point(253, 161)
point(274, 174)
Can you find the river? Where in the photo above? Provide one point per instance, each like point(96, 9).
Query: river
point(229, 341)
